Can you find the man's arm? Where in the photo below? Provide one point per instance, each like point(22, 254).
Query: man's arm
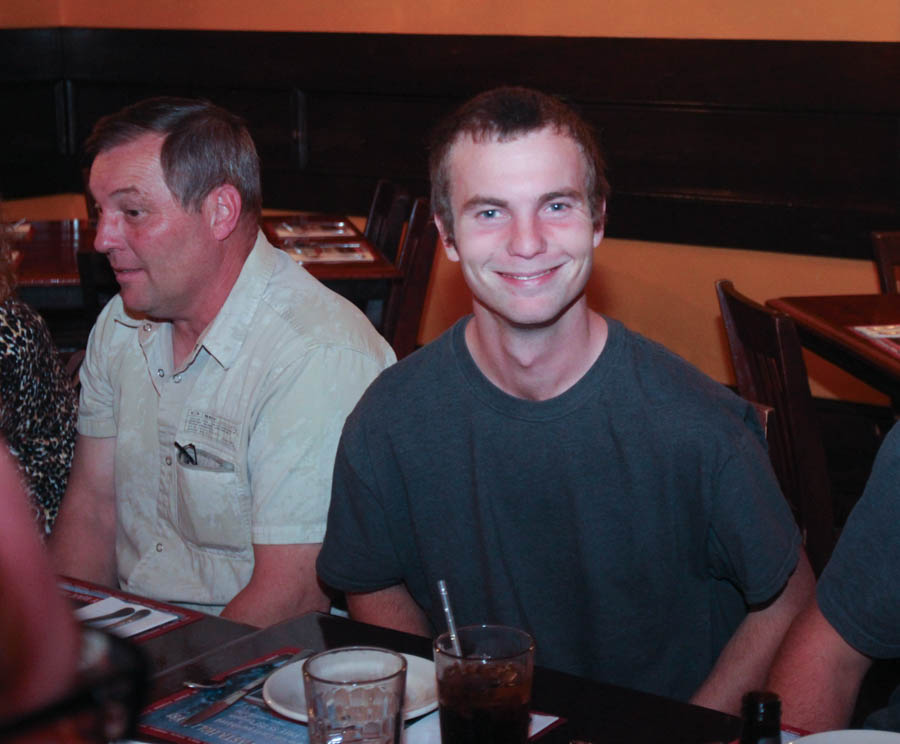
point(83, 542)
point(746, 658)
point(283, 584)
point(817, 674)
point(393, 607)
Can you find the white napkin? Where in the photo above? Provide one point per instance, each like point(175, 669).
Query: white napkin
point(111, 604)
point(427, 730)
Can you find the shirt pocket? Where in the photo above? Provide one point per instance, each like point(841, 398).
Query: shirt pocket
point(211, 511)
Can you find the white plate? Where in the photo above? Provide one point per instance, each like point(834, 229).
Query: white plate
point(850, 736)
point(283, 691)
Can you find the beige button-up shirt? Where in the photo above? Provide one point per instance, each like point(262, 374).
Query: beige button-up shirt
point(236, 446)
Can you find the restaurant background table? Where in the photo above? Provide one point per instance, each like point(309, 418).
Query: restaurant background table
point(594, 712)
point(50, 254)
point(824, 324)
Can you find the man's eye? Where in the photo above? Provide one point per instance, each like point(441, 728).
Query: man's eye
point(489, 213)
point(558, 207)
point(132, 212)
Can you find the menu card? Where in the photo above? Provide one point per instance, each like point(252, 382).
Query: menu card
point(885, 336)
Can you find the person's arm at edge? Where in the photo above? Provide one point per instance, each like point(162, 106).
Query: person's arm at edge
point(38, 636)
point(393, 607)
point(817, 674)
point(744, 662)
point(283, 584)
point(83, 541)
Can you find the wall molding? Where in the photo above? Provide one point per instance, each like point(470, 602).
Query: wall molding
point(764, 145)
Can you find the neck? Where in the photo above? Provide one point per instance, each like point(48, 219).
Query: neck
point(537, 363)
point(187, 329)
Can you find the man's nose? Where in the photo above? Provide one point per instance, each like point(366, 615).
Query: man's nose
point(108, 233)
point(527, 239)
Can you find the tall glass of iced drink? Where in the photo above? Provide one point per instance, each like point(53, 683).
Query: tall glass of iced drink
point(484, 685)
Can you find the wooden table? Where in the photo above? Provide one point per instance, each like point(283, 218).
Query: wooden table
point(825, 323)
point(594, 712)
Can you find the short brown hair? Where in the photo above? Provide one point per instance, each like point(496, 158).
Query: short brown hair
point(505, 114)
point(205, 146)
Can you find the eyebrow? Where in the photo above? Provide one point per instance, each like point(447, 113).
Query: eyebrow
point(125, 190)
point(480, 200)
point(483, 201)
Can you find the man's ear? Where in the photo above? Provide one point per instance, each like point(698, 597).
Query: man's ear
point(222, 207)
point(446, 240)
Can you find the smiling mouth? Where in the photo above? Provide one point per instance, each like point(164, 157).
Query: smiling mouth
point(527, 277)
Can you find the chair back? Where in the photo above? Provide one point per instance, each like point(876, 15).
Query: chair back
point(403, 311)
point(98, 283)
point(387, 215)
point(886, 247)
point(770, 370)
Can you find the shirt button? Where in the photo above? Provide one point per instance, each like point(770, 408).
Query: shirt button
point(177, 378)
point(159, 547)
point(161, 372)
point(148, 327)
point(168, 459)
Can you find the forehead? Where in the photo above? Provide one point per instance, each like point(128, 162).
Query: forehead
point(541, 158)
point(131, 166)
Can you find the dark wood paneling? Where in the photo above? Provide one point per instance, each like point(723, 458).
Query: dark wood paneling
point(767, 145)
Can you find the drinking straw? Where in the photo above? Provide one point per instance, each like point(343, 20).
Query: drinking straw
point(448, 613)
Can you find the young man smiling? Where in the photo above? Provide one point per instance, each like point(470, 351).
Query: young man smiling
point(561, 473)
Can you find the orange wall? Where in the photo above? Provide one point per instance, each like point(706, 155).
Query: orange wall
point(848, 20)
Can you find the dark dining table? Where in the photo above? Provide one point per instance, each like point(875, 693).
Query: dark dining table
point(592, 711)
point(826, 325)
point(207, 646)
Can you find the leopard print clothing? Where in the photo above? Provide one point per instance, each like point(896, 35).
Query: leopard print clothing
point(38, 407)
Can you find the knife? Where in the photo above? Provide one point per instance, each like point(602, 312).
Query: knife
point(139, 615)
point(229, 700)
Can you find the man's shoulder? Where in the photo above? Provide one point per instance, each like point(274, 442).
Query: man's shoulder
point(411, 385)
point(306, 313)
point(652, 375)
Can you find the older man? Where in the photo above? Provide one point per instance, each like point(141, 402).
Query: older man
point(215, 384)
point(563, 474)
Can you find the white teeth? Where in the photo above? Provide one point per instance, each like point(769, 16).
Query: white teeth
point(526, 277)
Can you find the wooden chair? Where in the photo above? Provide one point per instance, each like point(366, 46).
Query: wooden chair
point(98, 283)
point(886, 247)
point(403, 311)
point(387, 215)
point(770, 370)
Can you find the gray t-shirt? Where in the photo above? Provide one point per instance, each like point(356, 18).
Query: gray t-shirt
point(626, 523)
point(858, 590)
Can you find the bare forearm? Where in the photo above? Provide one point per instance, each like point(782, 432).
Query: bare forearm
point(746, 659)
point(390, 608)
point(817, 674)
point(83, 542)
point(84, 546)
point(284, 584)
point(256, 606)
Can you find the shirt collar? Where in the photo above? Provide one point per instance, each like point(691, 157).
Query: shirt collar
point(226, 334)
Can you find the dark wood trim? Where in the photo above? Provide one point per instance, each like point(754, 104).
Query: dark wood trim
point(767, 145)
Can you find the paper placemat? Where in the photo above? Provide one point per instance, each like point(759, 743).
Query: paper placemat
point(129, 625)
point(89, 594)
